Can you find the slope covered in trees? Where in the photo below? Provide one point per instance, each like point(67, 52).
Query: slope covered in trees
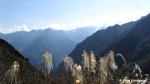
point(100, 40)
point(131, 39)
point(135, 46)
point(10, 59)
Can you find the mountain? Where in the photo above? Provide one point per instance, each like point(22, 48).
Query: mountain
point(100, 40)
point(131, 39)
point(58, 42)
point(135, 46)
point(53, 42)
point(1, 34)
point(20, 40)
point(34, 43)
point(27, 73)
point(80, 34)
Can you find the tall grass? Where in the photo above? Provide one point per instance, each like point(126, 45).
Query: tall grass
point(102, 71)
point(11, 75)
point(90, 71)
point(48, 63)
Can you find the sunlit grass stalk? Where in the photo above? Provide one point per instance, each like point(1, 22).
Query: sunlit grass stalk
point(85, 61)
point(92, 62)
point(77, 77)
point(12, 74)
point(123, 58)
point(47, 59)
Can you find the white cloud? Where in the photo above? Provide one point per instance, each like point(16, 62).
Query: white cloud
point(63, 26)
point(22, 27)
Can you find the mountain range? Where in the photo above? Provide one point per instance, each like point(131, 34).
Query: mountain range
point(135, 46)
point(131, 39)
point(58, 42)
point(100, 40)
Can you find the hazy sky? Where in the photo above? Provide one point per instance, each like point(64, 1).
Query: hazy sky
point(17, 15)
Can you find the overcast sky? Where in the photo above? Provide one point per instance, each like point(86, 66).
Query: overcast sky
point(18, 15)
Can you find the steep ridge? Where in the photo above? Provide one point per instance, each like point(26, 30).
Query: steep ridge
point(27, 73)
point(100, 40)
point(135, 46)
